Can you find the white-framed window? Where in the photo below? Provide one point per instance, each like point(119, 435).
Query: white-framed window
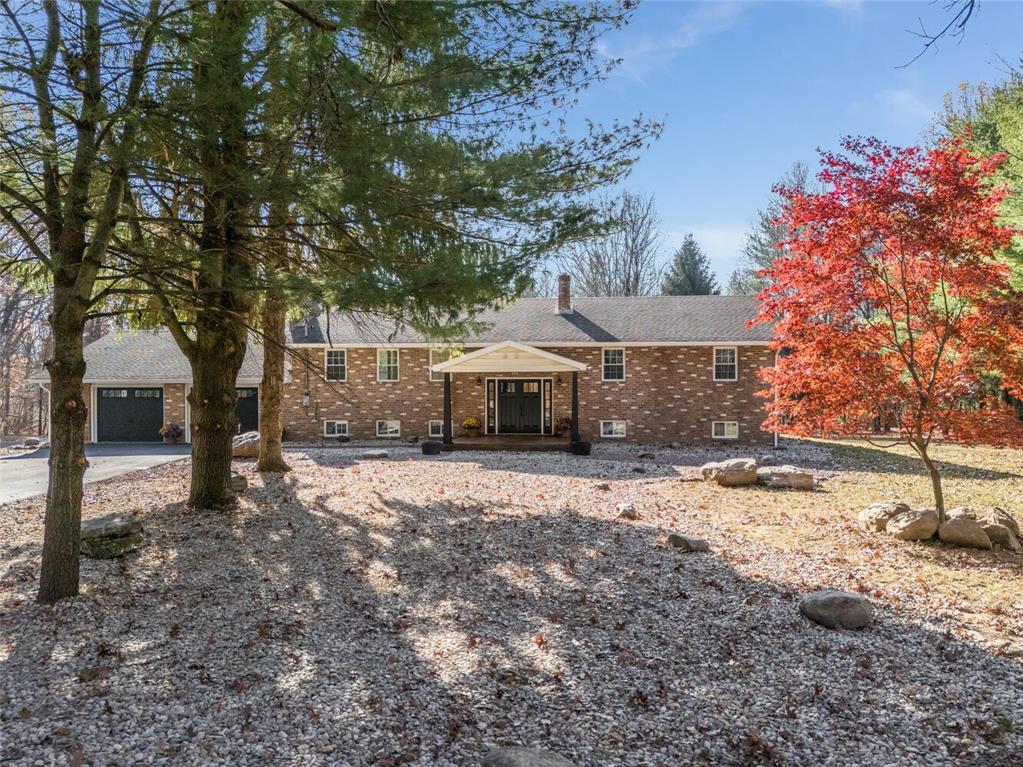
point(613, 364)
point(335, 364)
point(148, 393)
point(726, 363)
point(335, 428)
point(387, 364)
point(724, 430)
point(612, 429)
point(435, 428)
point(115, 393)
point(438, 356)
point(389, 429)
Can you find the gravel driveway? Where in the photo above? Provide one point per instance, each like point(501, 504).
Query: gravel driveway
point(417, 611)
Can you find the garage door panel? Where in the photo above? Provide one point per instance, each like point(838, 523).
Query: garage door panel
point(129, 413)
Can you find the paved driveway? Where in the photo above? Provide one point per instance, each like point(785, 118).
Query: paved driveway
point(23, 476)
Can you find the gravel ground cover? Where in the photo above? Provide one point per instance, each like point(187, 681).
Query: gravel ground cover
point(418, 610)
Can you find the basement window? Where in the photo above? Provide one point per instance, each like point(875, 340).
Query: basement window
point(389, 429)
point(335, 428)
point(612, 429)
point(725, 430)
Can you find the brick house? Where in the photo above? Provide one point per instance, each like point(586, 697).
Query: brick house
point(646, 369)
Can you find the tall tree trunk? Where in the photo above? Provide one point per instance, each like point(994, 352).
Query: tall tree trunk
point(58, 577)
point(216, 358)
point(271, 457)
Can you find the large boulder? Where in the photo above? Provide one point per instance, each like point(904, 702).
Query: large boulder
point(520, 756)
point(837, 609)
point(1002, 536)
point(734, 472)
point(31, 442)
point(246, 445)
point(875, 517)
point(913, 525)
point(997, 516)
point(111, 536)
point(788, 477)
point(963, 531)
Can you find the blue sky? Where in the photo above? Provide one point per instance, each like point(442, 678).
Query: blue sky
point(747, 89)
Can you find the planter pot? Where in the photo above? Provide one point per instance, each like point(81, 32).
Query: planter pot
point(579, 448)
point(431, 448)
point(170, 440)
point(473, 432)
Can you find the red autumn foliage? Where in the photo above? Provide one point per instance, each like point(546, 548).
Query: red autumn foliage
point(888, 299)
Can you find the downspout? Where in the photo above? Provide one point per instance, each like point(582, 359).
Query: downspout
point(776, 400)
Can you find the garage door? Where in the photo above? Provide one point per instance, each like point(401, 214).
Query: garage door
point(247, 409)
point(129, 414)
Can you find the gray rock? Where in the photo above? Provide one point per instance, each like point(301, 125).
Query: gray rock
point(788, 477)
point(1002, 536)
point(837, 609)
point(627, 511)
point(734, 472)
point(647, 455)
point(520, 756)
point(876, 516)
point(238, 483)
point(913, 525)
point(31, 442)
point(373, 455)
point(246, 445)
point(767, 460)
point(110, 536)
point(961, 512)
point(998, 516)
point(963, 531)
point(685, 543)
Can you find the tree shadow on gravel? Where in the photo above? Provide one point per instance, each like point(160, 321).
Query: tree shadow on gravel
point(380, 625)
point(875, 459)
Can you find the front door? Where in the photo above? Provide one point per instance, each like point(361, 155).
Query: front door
point(247, 409)
point(519, 407)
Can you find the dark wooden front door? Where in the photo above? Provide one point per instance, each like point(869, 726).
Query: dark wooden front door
point(519, 406)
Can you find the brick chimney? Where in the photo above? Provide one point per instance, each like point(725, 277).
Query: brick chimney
point(564, 294)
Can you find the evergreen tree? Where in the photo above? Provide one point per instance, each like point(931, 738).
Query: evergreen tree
point(689, 273)
point(762, 241)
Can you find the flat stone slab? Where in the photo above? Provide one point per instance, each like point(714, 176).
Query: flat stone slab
point(519, 756)
point(685, 543)
point(837, 609)
point(373, 455)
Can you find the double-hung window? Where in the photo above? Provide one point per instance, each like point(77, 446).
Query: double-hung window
point(726, 363)
point(387, 364)
point(614, 365)
point(336, 365)
point(438, 356)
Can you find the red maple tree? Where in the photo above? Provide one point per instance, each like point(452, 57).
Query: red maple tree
point(888, 301)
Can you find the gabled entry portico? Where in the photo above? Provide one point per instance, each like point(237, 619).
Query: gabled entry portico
point(518, 393)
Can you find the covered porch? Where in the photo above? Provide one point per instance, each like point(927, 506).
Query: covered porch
point(519, 386)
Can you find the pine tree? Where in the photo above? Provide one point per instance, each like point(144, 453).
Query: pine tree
point(689, 273)
point(762, 241)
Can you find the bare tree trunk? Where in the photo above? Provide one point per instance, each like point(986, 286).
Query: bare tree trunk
point(58, 577)
point(274, 317)
point(215, 361)
point(271, 456)
point(932, 471)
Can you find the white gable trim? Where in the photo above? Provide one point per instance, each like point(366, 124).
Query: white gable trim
point(509, 357)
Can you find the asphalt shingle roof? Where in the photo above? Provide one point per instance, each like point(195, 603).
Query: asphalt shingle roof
point(653, 319)
point(148, 356)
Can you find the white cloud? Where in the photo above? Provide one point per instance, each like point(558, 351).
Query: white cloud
point(905, 107)
point(721, 242)
point(645, 54)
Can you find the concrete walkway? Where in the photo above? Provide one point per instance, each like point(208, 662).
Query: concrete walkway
point(26, 475)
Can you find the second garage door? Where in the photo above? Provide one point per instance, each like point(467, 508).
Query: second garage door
point(129, 414)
